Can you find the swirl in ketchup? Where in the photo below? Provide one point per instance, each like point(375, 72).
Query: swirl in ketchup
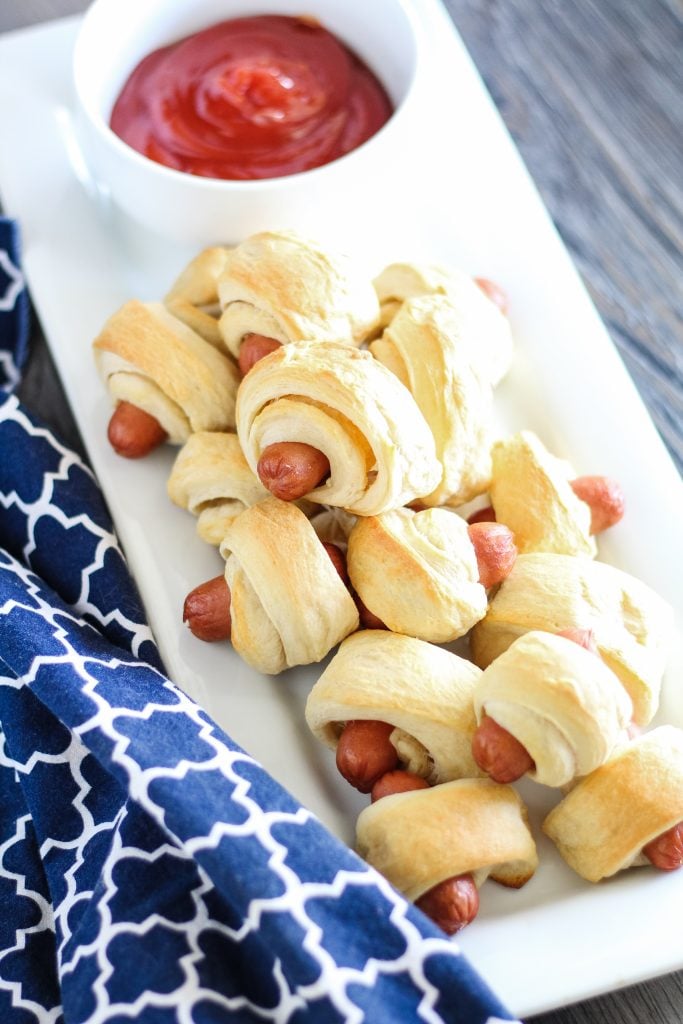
point(258, 97)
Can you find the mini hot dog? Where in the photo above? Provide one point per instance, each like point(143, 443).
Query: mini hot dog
point(604, 497)
point(365, 753)
point(134, 433)
point(666, 851)
point(438, 845)
point(368, 619)
point(333, 420)
point(495, 550)
point(275, 562)
point(410, 708)
point(549, 708)
point(496, 751)
point(397, 781)
point(484, 330)
point(493, 292)
point(166, 380)
point(338, 560)
point(254, 347)
point(207, 608)
point(548, 509)
point(632, 624)
point(425, 573)
point(628, 812)
point(290, 469)
point(452, 904)
point(287, 288)
point(482, 515)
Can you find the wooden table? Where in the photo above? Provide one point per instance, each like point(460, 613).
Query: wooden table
point(592, 94)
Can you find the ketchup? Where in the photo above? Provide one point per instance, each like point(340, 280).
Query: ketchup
point(257, 97)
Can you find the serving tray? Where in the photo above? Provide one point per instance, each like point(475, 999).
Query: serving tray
point(468, 201)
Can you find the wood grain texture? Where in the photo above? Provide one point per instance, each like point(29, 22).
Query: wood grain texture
point(592, 94)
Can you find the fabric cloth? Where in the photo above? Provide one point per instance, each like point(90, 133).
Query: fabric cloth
point(150, 869)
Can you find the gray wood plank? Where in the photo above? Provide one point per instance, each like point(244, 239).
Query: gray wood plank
point(592, 93)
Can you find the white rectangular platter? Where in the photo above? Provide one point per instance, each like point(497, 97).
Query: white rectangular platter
point(468, 202)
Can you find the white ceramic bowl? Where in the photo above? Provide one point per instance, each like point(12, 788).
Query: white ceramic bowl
point(117, 34)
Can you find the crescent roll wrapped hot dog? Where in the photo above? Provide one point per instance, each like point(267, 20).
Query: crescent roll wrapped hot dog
point(538, 497)
point(280, 286)
point(469, 830)
point(286, 604)
point(555, 698)
point(631, 624)
point(418, 572)
point(427, 347)
point(401, 281)
point(482, 323)
point(211, 478)
point(193, 297)
point(371, 447)
point(159, 367)
point(422, 694)
point(628, 812)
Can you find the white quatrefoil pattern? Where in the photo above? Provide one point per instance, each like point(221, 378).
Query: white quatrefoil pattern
point(14, 312)
point(150, 870)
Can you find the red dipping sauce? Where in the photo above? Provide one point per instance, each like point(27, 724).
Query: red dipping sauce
point(258, 97)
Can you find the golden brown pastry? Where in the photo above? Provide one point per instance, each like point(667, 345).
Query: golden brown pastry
point(211, 478)
point(282, 286)
point(417, 572)
point(481, 325)
point(158, 364)
point(426, 346)
point(631, 623)
point(610, 819)
point(193, 296)
point(342, 403)
point(471, 826)
point(531, 493)
point(423, 691)
point(560, 701)
point(288, 605)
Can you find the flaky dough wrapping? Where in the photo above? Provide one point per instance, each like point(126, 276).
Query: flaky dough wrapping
point(631, 623)
point(531, 493)
point(603, 824)
point(421, 838)
point(210, 477)
point(417, 572)
point(344, 403)
point(427, 347)
point(562, 703)
point(288, 604)
point(481, 324)
point(289, 288)
point(424, 691)
point(193, 296)
point(150, 358)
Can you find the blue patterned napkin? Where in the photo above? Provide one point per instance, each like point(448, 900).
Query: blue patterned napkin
point(150, 870)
